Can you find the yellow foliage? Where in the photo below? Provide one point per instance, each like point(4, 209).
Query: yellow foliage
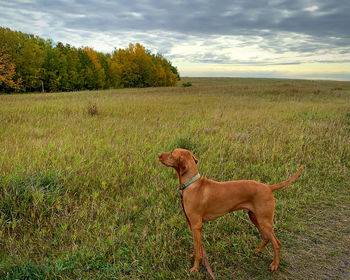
point(141, 69)
point(93, 57)
point(99, 70)
point(7, 71)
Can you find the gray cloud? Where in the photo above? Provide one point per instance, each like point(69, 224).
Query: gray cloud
point(281, 27)
point(315, 18)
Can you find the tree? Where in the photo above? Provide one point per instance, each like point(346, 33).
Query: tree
point(30, 63)
point(7, 72)
point(96, 68)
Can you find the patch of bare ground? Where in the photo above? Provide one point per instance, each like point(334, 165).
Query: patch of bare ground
point(322, 249)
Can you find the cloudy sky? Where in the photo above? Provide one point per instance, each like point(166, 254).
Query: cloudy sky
point(237, 38)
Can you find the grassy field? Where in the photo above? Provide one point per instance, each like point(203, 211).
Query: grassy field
point(83, 196)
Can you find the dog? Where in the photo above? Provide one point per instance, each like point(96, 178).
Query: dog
point(206, 200)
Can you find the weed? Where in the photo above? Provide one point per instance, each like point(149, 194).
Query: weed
point(188, 143)
point(92, 109)
point(26, 271)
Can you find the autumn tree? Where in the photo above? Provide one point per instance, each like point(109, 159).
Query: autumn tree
point(96, 68)
point(141, 69)
point(31, 63)
point(7, 72)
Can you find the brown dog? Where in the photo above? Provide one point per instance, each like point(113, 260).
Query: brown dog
point(205, 200)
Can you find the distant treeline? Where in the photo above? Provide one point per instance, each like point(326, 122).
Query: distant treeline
point(29, 63)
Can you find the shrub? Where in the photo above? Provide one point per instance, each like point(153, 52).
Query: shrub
point(188, 84)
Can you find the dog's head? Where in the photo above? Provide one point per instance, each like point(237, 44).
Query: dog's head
point(179, 159)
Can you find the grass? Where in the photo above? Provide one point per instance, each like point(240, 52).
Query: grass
point(83, 195)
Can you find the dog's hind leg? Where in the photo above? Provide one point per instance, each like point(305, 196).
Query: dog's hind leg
point(265, 240)
point(267, 232)
point(277, 248)
point(264, 217)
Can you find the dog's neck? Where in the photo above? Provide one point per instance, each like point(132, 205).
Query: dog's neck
point(187, 175)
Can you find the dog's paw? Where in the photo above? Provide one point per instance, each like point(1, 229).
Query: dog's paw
point(258, 250)
point(273, 266)
point(194, 269)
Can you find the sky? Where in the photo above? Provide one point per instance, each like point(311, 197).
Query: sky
point(303, 39)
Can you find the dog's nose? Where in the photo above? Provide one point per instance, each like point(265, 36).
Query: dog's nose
point(159, 155)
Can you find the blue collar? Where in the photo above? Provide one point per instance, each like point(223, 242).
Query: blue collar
point(185, 185)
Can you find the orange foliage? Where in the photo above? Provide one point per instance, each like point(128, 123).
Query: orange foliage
point(7, 71)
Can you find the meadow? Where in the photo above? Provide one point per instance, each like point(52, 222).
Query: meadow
point(83, 196)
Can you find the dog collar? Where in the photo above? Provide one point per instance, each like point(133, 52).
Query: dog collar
point(185, 185)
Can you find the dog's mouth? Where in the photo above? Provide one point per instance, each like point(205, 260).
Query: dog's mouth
point(164, 163)
point(160, 158)
point(163, 158)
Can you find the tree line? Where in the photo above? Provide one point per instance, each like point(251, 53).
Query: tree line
point(29, 63)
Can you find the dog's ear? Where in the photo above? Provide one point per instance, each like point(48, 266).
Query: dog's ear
point(195, 160)
point(182, 165)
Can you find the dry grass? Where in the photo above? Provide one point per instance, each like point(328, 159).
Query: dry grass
point(92, 109)
point(85, 197)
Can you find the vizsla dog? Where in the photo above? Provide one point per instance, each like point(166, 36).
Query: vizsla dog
point(205, 200)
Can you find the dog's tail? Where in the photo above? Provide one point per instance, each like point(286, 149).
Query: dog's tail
point(286, 183)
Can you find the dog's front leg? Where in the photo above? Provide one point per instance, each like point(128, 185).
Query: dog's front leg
point(197, 235)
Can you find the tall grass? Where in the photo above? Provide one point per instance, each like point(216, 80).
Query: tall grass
point(84, 196)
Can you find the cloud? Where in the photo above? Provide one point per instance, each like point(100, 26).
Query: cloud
point(266, 32)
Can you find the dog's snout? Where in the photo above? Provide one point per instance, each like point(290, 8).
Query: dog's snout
point(159, 155)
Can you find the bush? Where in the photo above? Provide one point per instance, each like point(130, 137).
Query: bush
point(188, 84)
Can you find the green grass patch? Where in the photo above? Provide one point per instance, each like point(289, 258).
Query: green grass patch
point(30, 198)
point(84, 196)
